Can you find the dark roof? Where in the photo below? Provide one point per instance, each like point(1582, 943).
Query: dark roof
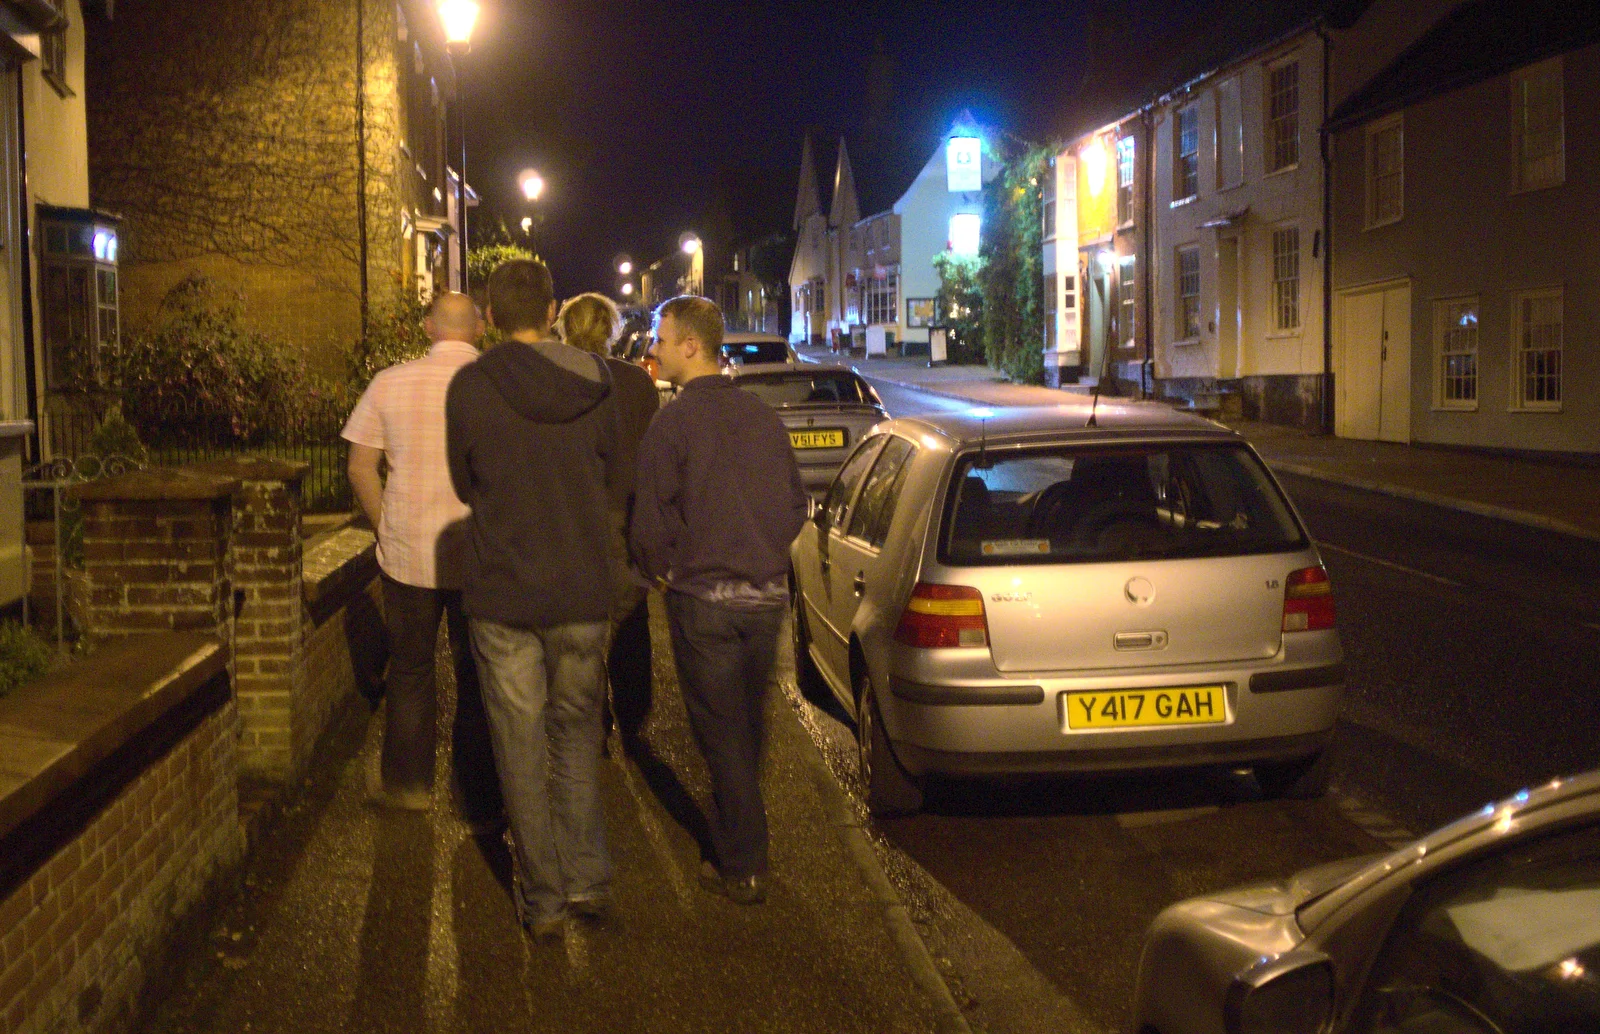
point(1141, 50)
point(1478, 40)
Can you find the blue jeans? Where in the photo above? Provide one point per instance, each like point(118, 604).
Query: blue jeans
point(544, 690)
point(724, 658)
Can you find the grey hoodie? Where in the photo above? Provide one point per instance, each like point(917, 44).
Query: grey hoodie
point(532, 441)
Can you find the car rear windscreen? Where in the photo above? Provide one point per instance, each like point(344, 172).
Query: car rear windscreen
point(756, 351)
point(1086, 505)
point(800, 387)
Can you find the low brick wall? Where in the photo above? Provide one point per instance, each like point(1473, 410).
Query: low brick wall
point(342, 629)
point(118, 803)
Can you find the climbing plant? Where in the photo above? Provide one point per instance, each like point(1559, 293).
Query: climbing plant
point(1010, 277)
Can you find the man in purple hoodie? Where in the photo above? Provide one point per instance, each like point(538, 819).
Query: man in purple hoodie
point(532, 442)
point(717, 501)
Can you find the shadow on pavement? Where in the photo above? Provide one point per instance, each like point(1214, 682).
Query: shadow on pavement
point(670, 791)
point(392, 972)
point(1088, 795)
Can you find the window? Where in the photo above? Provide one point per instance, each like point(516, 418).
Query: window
point(870, 519)
point(1536, 349)
point(882, 301)
point(1230, 135)
point(1455, 345)
point(1047, 200)
point(1186, 166)
point(1386, 162)
point(1069, 295)
point(1126, 283)
point(1283, 116)
point(1188, 292)
point(78, 274)
point(1124, 180)
point(53, 55)
point(1051, 286)
point(1536, 97)
point(837, 501)
point(1286, 278)
point(1509, 939)
point(966, 229)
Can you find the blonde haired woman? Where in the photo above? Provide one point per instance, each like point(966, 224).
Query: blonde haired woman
point(591, 322)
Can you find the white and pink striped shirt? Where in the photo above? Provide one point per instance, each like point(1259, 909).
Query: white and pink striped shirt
point(420, 533)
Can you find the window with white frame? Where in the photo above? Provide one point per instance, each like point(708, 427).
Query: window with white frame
point(1186, 160)
point(1051, 285)
point(1047, 200)
point(1283, 116)
point(1538, 129)
point(1286, 278)
point(882, 301)
point(1536, 349)
point(1126, 280)
point(1188, 322)
point(1386, 171)
point(1124, 180)
point(1455, 346)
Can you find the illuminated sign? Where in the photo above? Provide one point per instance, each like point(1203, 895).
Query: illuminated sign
point(965, 230)
point(964, 164)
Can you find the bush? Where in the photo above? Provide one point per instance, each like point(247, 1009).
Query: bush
point(394, 336)
point(197, 375)
point(961, 304)
point(116, 437)
point(1012, 276)
point(24, 656)
point(482, 260)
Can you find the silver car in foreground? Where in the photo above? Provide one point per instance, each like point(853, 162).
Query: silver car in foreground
point(1087, 587)
point(1490, 925)
point(827, 410)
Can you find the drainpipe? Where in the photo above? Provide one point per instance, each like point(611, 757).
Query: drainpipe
point(24, 259)
point(1327, 240)
point(1147, 369)
point(361, 159)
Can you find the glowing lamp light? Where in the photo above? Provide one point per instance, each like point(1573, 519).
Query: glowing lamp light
point(458, 18)
point(689, 243)
point(627, 289)
point(965, 231)
point(1095, 164)
point(532, 184)
point(527, 223)
point(625, 267)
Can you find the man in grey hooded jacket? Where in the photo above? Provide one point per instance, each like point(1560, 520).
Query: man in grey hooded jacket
point(533, 450)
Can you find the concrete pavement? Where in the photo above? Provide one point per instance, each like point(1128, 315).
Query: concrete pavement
point(352, 918)
point(1542, 493)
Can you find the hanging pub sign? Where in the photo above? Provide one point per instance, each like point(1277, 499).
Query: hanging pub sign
point(964, 164)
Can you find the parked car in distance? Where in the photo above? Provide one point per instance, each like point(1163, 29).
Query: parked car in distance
point(634, 347)
point(1490, 925)
point(1033, 591)
point(739, 347)
point(826, 409)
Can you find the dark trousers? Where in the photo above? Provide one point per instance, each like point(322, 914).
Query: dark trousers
point(724, 657)
point(628, 666)
point(411, 618)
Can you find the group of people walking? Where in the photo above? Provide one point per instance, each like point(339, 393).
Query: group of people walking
point(534, 494)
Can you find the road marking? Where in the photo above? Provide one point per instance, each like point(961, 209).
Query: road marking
point(1372, 822)
point(1441, 579)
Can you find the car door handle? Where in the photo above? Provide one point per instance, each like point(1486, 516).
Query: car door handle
point(860, 583)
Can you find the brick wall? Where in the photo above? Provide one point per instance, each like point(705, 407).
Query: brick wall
point(116, 831)
point(343, 630)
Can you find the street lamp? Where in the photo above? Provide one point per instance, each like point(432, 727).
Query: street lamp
point(458, 18)
point(623, 263)
point(627, 289)
point(532, 184)
point(527, 225)
point(689, 242)
point(691, 245)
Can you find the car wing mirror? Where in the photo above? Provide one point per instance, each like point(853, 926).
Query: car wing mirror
point(1292, 994)
point(819, 514)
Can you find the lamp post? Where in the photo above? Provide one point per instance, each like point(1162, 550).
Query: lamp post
point(532, 186)
point(690, 243)
point(458, 18)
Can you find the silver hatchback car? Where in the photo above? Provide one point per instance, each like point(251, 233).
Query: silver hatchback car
point(1066, 589)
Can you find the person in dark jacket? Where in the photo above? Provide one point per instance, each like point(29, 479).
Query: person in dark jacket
point(717, 502)
point(591, 322)
point(532, 445)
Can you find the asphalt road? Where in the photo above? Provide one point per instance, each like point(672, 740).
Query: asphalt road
point(1471, 647)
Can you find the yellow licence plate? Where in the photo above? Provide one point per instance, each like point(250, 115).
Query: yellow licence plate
point(830, 439)
point(1181, 705)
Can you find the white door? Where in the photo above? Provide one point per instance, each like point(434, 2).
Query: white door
point(1372, 379)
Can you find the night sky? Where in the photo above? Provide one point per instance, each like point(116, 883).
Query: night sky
point(647, 119)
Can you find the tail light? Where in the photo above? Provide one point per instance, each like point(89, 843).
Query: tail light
point(1307, 600)
point(940, 616)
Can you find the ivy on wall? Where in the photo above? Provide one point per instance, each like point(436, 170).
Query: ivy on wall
point(1011, 278)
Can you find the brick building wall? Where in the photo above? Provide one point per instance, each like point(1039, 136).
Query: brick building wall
point(229, 143)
